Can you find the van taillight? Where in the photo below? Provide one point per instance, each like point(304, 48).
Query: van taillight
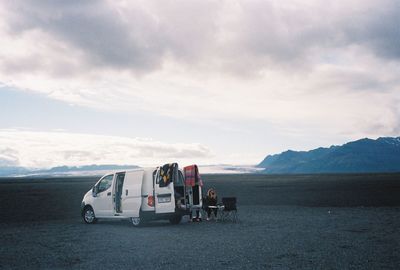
point(150, 200)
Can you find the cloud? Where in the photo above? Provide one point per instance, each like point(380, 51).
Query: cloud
point(140, 37)
point(110, 34)
point(49, 149)
point(8, 157)
point(305, 64)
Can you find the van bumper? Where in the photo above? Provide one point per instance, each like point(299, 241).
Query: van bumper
point(151, 215)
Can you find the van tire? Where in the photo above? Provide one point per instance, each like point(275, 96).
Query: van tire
point(88, 215)
point(136, 221)
point(175, 219)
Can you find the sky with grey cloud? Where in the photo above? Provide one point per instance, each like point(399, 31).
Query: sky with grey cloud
point(241, 79)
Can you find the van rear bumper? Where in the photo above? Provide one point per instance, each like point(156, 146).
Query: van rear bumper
point(151, 215)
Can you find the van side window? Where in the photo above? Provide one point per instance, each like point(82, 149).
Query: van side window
point(105, 183)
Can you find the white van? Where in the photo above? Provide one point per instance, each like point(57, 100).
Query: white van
point(141, 195)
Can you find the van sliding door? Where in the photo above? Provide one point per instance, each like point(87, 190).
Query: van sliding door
point(131, 197)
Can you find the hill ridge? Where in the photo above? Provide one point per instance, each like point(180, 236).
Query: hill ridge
point(363, 155)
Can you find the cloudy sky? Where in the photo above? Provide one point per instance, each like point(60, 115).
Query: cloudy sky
point(143, 82)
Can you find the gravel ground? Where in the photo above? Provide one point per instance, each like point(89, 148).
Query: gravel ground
point(286, 222)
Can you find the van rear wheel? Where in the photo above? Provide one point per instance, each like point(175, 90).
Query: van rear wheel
point(88, 215)
point(136, 221)
point(175, 219)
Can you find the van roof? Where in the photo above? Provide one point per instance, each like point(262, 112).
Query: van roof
point(146, 169)
point(151, 169)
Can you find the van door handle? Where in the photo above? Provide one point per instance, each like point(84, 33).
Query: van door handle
point(126, 192)
point(109, 194)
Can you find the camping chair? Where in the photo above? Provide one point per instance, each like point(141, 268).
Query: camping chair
point(230, 209)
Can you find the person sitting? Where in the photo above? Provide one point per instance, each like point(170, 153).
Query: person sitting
point(211, 200)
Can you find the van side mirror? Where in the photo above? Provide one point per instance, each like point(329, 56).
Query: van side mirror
point(94, 193)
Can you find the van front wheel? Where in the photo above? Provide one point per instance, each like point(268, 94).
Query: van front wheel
point(175, 219)
point(88, 215)
point(136, 221)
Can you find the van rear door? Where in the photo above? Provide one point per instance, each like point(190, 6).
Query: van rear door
point(164, 199)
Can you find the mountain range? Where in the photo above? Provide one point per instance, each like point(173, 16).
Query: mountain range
point(361, 156)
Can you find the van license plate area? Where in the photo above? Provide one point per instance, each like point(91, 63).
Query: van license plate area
point(164, 198)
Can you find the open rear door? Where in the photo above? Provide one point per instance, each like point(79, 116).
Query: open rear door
point(193, 185)
point(164, 198)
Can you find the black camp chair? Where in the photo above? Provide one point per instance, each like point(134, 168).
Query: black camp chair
point(230, 210)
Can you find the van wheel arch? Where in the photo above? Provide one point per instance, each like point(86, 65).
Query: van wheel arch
point(140, 221)
point(137, 221)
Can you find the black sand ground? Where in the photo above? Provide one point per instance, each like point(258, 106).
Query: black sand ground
point(286, 222)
